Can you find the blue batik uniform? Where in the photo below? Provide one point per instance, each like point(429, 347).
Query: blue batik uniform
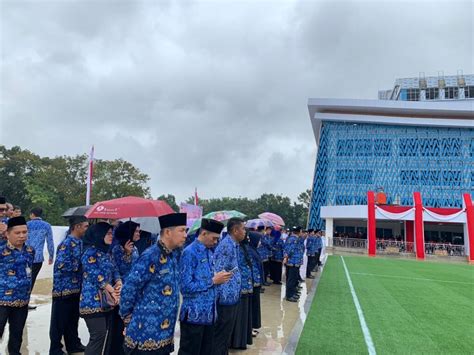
point(226, 258)
point(149, 300)
point(196, 271)
point(264, 248)
point(246, 272)
point(292, 250)
point(67, 274)
point(40, 231)
point(257, 267)
point(124, 261)
point(277, 248)
point(311, 246)
point(99, 270)
point(15, 271)
point(319, 244)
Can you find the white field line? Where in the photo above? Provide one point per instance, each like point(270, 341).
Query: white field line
point(413, 278)
point(363, 324)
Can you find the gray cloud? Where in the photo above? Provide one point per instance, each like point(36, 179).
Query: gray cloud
point(209, 94)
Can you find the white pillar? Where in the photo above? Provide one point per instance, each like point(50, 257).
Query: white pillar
point(329, 231)
point(466, 239)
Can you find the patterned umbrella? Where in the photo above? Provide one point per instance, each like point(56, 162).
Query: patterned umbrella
point(222, 216)
point(276, 219)
point(258, 222)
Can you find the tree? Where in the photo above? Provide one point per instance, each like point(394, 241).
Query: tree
point(170, 200)
point(305, 198)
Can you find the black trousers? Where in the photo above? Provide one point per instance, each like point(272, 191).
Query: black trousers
point(64, 322)
point(16, 317)
point(34, 273)
point(310, 265)
point(256, 309)
point(275, 271)
point(165, 351)
point(116, 333)
point(99, 340)
point(226, 316)
point(266, 270)
point(196, 339)
point(318, 257)
point(292, 280)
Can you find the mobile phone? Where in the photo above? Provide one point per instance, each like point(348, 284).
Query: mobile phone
point(234, 269)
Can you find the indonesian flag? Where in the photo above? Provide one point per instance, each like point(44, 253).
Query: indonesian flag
point(196, 198)
point(90, 173)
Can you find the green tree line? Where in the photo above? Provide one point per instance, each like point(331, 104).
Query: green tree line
point(58, 183)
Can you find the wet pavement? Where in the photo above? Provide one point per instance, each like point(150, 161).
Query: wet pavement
point(279, 318)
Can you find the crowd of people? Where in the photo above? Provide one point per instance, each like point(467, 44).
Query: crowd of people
point(125, 283)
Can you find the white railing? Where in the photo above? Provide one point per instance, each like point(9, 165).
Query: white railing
point(444, 249)
point(350, 243)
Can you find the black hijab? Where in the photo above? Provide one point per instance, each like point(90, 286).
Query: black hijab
point(125, 231)
point(95, 237)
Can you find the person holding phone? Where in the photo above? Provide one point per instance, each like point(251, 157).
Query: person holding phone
point(198, 280)
point(226, 258)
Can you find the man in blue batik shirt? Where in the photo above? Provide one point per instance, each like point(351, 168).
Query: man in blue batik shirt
point(197, 280)
point(39, 231)
point(228, 295)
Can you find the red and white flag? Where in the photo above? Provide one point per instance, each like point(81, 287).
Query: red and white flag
point(90, 173)
point(196, 198)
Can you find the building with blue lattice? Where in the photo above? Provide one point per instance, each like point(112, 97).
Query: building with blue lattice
point(404, 142)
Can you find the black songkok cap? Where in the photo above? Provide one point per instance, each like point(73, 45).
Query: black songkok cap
point(310, 230)
point(16, 221)
point(212, 225)
point(75, 220)
point(172, 220)
point(3, 200)
point(296, 229)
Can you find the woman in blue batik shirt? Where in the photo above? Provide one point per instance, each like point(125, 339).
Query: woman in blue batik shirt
point(277, 257)
point(257, 269)
point(124, 255)
point(100, 282)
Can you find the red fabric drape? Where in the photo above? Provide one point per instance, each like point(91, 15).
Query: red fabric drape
point(419, 232)
point(470, 225)
point(371, 242)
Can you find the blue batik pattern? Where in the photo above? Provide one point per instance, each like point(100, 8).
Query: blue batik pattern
point(197, 288)
point(311, 248)
point(67, 274)
point(15, 271)
point(246, 285)
point(40, 231)
point(99, 270)
point(257, 267)
point(123, 260)
point(150, 298)
point(226, 258)
point(292, 250)
point(277, 249)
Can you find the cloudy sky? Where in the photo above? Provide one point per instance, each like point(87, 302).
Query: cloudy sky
point(209, 94)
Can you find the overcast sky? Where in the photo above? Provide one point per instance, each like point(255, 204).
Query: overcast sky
point(209, 94)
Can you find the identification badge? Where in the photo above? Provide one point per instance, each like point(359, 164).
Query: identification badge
point(28, 271)
point(164, 271)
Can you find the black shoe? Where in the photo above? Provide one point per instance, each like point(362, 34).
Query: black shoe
point(266, 284)
point(277, 283)
point(310, 277)
point(291, 299)
point(262, 290)
point(31, 308)
point(299, 287)
point(79, 348)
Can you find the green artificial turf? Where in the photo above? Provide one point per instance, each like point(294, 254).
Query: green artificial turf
point(410, 307)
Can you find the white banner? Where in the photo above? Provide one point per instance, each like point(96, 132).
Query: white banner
point(408, 215)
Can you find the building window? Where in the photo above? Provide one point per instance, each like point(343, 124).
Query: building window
point(382, 147)
point(451, 147)
point(432, 93)
point(345, 147)
point(413, 94)
point(409, 177)
point(451, 178)
point(469, 92)
point(451, 93)
point(344, 176)
point(363, 147)
point(429, 147)
point(363, 176)
point(408, 147)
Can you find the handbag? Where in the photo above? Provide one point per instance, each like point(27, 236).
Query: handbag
point(107, 302)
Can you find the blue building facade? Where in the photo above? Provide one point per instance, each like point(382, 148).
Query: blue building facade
point(353, 158)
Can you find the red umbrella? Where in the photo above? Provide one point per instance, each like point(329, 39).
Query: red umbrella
point(127, 207)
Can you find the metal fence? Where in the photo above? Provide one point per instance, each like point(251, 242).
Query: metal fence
point(350, 243)
point(444, 249)
point(394, 247)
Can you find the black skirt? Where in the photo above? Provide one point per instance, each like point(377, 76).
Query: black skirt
point(256, 310)
point(242, 333)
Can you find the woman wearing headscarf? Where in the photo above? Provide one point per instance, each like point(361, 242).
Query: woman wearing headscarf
point(242, 333)
point(257, 271)
point(101, 287)
point(124, 255)
point(146, 240)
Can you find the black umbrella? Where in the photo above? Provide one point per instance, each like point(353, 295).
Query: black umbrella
point(76, 211)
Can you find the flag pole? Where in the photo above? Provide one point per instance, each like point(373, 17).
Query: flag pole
point(90, 173)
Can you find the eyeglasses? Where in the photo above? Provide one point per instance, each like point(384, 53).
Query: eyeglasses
point(2, 209)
